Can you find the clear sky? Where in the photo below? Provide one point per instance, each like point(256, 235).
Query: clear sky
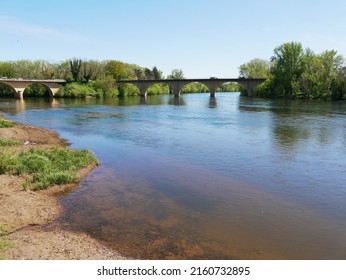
point(202, 37)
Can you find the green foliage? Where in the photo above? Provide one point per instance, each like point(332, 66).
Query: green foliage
point(4, 123)
point(105, 87)
point(127, 90)
point(72, 90)
point(195, 88)
point(255, 68)
point(8, 162)
point(6, 91)
point(7, 70)
point(46, 167)
point(288, 66)
point(8, 142)
point(157, 74)
point(85, 78)
point(4, 230)
point(176, 74)
point(37, 90)
point(156, 89)
point(230, 87)
point(75, 67)
point(117, 70)
point(301, 74)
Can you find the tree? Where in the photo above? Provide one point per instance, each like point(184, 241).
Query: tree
point(176, 74)
point(255, 68)
point(75, 67)
point(148, 74)
point(288, 66)
point(63, 70)
point(139, 73)
point(156, 73)
point(47, 70)
point(7, 69)
point(117, 69)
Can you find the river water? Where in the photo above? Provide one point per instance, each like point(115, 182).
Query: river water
point(195, 177)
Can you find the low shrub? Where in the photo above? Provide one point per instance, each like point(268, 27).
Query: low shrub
point(8, 142)
point(45, 168)
point(4, 123)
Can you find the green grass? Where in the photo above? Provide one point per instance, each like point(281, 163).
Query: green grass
point(4, 230)
point(4, 123)
point(45, 168)
point(8, 142)
point(3, 244)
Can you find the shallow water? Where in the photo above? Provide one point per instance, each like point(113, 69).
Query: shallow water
point(198, 177)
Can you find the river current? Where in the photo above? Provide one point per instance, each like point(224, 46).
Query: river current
point(195, 177)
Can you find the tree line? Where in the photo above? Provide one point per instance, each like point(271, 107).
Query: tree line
point(92, 78)
point(297, 73)
point(292, 72)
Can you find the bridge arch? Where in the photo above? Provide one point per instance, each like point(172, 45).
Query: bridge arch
point(7, 90)
point(19, 85)
point(192, 87)
point(37, 89)
point(125, 89)
point(158, 88)
point(231, 86)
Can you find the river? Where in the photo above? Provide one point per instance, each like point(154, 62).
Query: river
point(195, 177)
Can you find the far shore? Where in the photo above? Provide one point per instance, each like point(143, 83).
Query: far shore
point(28, 218)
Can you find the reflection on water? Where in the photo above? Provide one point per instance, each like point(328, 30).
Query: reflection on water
point(217, 178)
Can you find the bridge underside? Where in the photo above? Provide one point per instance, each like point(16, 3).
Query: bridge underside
point(19, 86)
point(177, 85)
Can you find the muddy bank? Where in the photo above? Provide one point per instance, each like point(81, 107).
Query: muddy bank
point(29, 216)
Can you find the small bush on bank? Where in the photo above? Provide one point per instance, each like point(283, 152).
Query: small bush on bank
point(73, 90)
point(45, 168)
point(8, 142)
point(4, 123)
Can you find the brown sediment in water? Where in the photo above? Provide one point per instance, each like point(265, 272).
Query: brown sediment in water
point(29, 217)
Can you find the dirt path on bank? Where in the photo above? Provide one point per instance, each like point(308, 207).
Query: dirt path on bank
point(29, 216)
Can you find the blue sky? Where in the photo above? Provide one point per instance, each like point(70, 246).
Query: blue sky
point(202, 37)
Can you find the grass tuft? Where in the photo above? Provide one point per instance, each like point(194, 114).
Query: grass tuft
point(4, 123)
point(45, 168)
point(8, 142)
point(4, 244)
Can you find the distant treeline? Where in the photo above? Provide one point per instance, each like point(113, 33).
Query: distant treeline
point(292, 72)
point(297, 73)
point(93, 78)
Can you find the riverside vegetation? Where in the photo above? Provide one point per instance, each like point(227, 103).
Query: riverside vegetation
point(41, 168)
point(292, 72)
point(297, 73)
point(25, 209)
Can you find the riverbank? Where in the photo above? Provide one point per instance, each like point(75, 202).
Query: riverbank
point(28, 227)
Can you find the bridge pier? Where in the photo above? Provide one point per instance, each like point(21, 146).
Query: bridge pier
point(19, 93)
point(176, 91)
point(212, 91)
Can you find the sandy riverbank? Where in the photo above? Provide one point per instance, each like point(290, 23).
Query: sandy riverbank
point(29, 216)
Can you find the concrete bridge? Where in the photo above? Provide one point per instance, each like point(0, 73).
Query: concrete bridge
point(19, 85)
point(178, 84)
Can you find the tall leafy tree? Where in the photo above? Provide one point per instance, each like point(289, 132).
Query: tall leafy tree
point(255, 68)
point(7, 69)
point(148, 74)
point(157, 74)
point(288, 66)
point(75, 67)
point(116, 69)
point(176, 74)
